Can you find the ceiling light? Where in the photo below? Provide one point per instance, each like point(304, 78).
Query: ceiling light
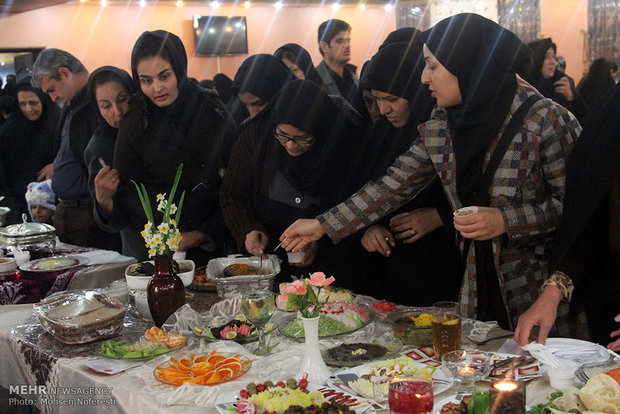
point(362, 6)
point(388, 7)
point(278, 5)
point(142, 3)
point(335, 5)
point(104, 3)
point(215, 4)
point(179, 3)
point(246, 4)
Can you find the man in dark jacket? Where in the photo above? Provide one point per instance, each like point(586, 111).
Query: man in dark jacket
point(63, 77)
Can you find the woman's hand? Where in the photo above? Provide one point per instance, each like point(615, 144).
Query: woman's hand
point(46, 172)
point(486, 224)
point(412, 226)
point(615, 345)
point(378, 239)
point(563, 88)
point(253, 245)
point(191, 239)
point(300, 233)
point(542, 314)
point(106, 184)
point(311, 250)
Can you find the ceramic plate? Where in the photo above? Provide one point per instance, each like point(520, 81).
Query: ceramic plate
point(341, 380)
point(245, 364)
point(227, 402)
point(362, 312)
point(391, 346)
point(53, 264)
point(587, 371)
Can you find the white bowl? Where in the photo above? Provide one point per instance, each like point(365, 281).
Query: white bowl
point(7, 264)
point(141, 282)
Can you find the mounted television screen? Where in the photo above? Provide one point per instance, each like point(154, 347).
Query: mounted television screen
point(220, 35)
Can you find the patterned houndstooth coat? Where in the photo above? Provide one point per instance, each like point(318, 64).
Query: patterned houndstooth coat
point(528, 189)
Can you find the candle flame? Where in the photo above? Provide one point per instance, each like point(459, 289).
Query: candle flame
point(506, 386)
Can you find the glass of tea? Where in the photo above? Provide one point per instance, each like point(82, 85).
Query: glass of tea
point(410, 395)
point(446, 328)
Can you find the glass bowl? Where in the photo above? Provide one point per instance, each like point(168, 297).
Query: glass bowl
point(466, 367)
point(411, 327)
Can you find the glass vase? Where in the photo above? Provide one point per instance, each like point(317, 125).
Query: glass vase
point(165, 292)
point(313, 363)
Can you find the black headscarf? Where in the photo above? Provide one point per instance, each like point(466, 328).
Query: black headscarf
point(112, 74)
point(262, 75)
point(46, 123)
point(485, 58)
point(304, 105)
point(409, 35)
point(300, 56)
point(533, 75)
point(223, 86)
point(169, 47)
point(598, 81)
point(397, 69)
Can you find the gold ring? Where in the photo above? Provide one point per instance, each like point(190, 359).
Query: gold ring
point(413, 231)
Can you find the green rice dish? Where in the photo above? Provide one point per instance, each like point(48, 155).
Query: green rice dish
point(327, 326)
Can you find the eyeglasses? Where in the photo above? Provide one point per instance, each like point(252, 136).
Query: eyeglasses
point(301, 140)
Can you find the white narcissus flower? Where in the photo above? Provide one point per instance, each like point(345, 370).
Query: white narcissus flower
point(161, 196)
point(148, 225)
point(162, 205)
point(173, 208)
point(163, 228)
point(172, 244)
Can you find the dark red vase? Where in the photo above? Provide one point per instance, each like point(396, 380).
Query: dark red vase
point(165, 292)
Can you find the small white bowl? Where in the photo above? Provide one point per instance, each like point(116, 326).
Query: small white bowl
point(7, 264)
point(141, 282)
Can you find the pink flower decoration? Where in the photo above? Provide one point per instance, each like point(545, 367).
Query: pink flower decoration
point(318, 279)
point(244, 330)
point(283, 297)
point(226, 330)
point(297, 287)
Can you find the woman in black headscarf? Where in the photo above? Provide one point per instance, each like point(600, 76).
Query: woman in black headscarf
point(597, 82)
point(258, 80)
point(110, 89)
point(298, 61)
point(471, 65)
point(429, 258)
point(551, 81)
point(292, 160)
point(27, 146)
point(173, 121)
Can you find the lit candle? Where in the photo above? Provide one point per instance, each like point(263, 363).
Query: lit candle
point(466, 370)
point(507, 396)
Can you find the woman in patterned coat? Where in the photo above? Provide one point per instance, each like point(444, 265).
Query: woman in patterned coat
point(471, 65)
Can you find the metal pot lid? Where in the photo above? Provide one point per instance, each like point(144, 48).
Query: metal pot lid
point(26, 229)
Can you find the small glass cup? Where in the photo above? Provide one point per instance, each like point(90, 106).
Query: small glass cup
point(446, 328)
point(466, 367)
point(258, 306)
point(410, 395)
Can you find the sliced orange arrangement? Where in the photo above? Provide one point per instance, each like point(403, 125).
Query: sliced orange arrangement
point(159, 335)
point(210, 369)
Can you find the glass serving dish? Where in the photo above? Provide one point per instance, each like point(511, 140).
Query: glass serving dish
point(212, 369)
point(410, 326)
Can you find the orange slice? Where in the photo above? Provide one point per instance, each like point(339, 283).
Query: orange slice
point(214, 359)
point(225, 373)
point(212, 377)
point(201, 358)
point(185, 364)
point(174, 340)
point(151, 332)
point(201, 368)
point(200, 380)
point(236, 367)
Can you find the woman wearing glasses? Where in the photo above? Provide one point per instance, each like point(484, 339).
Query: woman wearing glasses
point(291, 161)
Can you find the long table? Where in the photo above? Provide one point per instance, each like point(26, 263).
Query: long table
point(32, 358)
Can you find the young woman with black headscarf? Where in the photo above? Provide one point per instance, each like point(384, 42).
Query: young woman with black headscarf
point(298, 61)
point(598, 81)
point(292, 160)
point(173, 121)
point(27, 146)
point(471, 65)
point(110, 89)
point(551, 82)
point(430, 257)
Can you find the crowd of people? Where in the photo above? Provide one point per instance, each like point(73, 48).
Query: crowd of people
point(462, 115)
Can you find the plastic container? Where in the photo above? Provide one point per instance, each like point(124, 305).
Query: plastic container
point(407, 331)
point(230, 286)
point(564, 377)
